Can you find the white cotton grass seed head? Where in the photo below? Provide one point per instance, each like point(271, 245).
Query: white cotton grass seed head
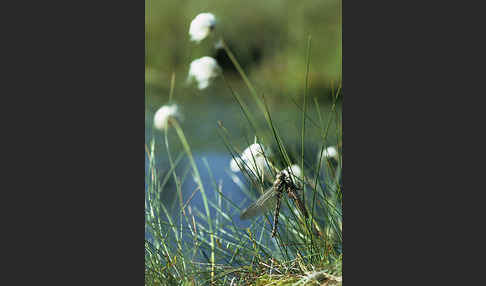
point(253, 159)
point(234, 164)
point(164, 114)
point(330, 152)
point(202, 26)
point(203, 70)
point(254, 150)
point(258, 165)
point(294, 169)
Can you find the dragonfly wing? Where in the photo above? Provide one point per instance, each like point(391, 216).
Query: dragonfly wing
point(266, 201)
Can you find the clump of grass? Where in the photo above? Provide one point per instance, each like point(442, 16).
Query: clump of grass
point(198, 247)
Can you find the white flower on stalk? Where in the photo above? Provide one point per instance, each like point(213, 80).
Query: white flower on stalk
point(203, 70)
point(163, 116)
point(253, 159)
point(201, 26)
point(294, 170)
point(234, 164)
point(330, 152)
point(253, 150)
point(260, 166)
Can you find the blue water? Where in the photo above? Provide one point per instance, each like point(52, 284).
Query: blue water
point(219, 174)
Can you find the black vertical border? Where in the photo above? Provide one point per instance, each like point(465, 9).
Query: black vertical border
point(410, 201)
point(75, 115)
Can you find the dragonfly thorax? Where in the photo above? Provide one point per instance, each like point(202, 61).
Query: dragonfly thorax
point(283, 178)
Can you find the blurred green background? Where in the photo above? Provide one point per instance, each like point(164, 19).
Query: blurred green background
point(269, 39)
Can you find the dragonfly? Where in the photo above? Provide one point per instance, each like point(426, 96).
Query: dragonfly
point(272, 197)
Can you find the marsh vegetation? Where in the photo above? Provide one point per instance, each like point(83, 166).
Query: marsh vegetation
point(230, 107)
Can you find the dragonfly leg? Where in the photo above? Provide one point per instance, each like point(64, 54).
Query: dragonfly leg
point(297, 201)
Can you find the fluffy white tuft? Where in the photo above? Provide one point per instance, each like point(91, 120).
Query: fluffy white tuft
point(253, 159)
point(164, 114)
point(253, 150)
point(330, 152)
point(234, 164)
point(201, 26)
point(203, 70)
point(294, 169)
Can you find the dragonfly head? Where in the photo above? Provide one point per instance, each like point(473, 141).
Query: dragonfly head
point(283, 177)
